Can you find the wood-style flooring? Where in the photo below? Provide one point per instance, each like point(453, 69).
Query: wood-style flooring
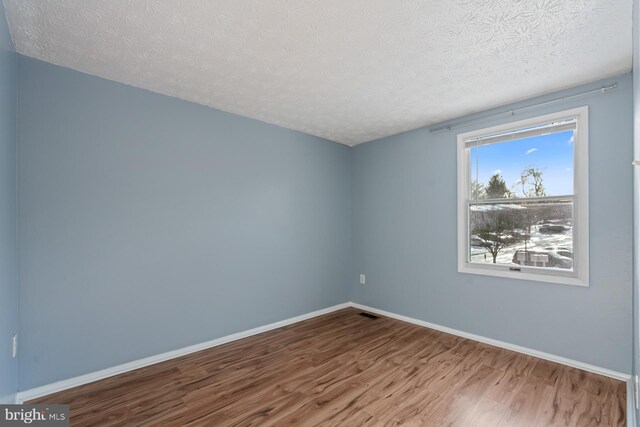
point(346, 369)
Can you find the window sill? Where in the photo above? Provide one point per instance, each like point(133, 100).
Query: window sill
point(523, 275)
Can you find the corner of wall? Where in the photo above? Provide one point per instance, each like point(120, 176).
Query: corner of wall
point(634, 414)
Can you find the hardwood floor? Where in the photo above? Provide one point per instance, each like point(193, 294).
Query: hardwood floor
point(347, 369)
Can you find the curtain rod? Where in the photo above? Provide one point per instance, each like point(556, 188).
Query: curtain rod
point(512, 112)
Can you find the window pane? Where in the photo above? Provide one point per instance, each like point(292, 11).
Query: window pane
point(529, 167)
point(535, 233)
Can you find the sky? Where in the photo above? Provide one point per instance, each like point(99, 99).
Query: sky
point(552, 154)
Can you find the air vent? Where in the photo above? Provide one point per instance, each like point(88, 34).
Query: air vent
point(369, 315)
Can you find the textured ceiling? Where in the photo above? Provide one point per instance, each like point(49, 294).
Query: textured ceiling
point(346, 70)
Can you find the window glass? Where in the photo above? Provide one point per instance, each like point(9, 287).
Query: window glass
point(530, 167)
point(521, 230)
point(526, 233)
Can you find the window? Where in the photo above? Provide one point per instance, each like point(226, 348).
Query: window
point(523, 199)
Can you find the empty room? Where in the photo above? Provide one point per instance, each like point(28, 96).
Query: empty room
point(319, 213)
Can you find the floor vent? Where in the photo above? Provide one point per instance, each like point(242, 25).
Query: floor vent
point(369, 315)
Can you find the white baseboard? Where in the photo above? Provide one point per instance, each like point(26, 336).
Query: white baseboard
point(47, 389)
point(631, 404)
point(540, 354)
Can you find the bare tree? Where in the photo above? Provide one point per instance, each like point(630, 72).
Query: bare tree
point(478, 191)
point(497, 230)
point(530, 183)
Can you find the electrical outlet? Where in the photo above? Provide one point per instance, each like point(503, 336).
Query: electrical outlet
point(14, 345)
point(363, 279)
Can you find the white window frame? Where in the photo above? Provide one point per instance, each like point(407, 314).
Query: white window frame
point(580, 274)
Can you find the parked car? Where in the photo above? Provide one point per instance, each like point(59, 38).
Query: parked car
point(560, 251)
point(552, 228)
point(540, 258)
point(521, 234)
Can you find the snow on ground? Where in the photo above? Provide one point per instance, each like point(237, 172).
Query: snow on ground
point(538, 241)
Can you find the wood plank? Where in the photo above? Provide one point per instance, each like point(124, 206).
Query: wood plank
point(346, 369)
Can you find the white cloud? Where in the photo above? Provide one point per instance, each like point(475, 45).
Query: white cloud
point(570, 140)
point(531, 150)
point(497, 171)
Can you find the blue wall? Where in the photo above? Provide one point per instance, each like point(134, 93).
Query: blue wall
point(148, 223)
point(404, 239)
point(8, 214)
